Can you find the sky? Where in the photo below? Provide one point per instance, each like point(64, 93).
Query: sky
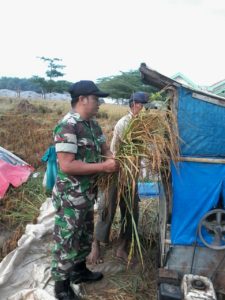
point(100, 38)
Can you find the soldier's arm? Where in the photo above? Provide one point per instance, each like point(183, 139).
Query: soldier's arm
point(69, 165)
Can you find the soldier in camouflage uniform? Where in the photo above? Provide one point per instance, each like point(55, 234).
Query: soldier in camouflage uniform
point(80, 146)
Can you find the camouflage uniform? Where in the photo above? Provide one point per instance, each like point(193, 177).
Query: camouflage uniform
point(74, 196)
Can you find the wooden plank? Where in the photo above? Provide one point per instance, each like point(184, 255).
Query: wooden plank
point(209, 99)
point(202, 159)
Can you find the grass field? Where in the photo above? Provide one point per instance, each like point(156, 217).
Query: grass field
point(26, 130)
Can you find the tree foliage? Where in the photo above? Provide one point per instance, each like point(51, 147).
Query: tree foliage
point(18, 84)
point(53, 67)
point(35, 83)
point(123, 85)
point(53, 71)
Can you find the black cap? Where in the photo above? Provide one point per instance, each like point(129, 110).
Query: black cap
point(85, 88)
point(139, 97)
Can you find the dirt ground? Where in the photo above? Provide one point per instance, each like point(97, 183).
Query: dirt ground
point(134, 281)
point(123, 282)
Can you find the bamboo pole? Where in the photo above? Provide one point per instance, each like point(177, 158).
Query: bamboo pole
point(202, 159)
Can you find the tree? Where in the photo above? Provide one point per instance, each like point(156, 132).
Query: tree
point(35, 83)
point(62, 86)
point(41, 84)
point(123, 85)
point(52, 71)
point(53, 68)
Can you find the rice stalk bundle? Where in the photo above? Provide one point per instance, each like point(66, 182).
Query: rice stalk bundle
point(152, 138)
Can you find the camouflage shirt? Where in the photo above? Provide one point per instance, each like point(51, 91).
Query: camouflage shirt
point(83, 138)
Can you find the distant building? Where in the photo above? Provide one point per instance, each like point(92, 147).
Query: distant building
point(217, 88)
point(184, 80)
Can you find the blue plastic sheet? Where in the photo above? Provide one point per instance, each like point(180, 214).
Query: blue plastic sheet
point(197, 189)
point(148, 189)
point(201, 126)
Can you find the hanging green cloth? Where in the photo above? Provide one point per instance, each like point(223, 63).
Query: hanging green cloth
point(52, 169)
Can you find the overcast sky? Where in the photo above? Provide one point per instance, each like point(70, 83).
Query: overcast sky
point(97, 38)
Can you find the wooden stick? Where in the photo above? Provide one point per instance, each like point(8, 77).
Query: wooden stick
point(202, 159)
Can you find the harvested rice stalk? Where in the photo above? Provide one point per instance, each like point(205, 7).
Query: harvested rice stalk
point(150, 137)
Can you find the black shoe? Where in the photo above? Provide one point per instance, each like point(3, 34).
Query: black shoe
point(63, 291)
point(82, 274)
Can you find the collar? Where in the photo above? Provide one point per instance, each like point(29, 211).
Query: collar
point(130, 113)
point(77, 116)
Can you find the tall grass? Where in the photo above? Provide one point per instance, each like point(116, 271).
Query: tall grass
point(114, 112)
point(19, 207)
point(23, 203)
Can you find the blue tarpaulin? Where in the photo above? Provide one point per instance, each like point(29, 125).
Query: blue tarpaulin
point(148, 189)
point(197, 189)
point(201, 126)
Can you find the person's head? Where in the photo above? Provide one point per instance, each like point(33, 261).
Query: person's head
point(84, 97)
point(137, 101)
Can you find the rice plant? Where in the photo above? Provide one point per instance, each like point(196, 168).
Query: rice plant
point(150, 137)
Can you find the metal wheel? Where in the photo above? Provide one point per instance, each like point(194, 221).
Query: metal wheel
point(214, 223)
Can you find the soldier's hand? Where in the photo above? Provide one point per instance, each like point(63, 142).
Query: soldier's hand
point(111, 165)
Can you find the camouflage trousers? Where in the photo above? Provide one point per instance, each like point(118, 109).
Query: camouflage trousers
point(73, 234)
